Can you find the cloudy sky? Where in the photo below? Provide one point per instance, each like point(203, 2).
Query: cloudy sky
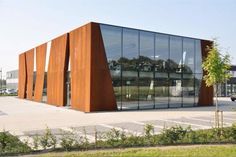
point(25, 24)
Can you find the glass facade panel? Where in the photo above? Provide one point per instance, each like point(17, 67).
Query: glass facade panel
point(129, 61)
point(197, 86)
point(176, 55)
point(198, 57)
point(152, 70)
point(188, 90)
point(161, 82)
point(146, 70)
point(112, 42)
point(175, 69)
point(188, 55)
point(198, 69)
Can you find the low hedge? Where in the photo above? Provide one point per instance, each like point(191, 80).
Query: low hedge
point(70, 140)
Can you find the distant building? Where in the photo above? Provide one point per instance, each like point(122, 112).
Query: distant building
point(12, 79)
point(228, 88)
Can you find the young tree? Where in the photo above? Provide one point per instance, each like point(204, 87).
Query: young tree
point(216, 67)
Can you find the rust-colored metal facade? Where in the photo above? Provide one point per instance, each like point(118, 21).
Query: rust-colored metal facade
point(57, 68)
point(40, 70)
point(22, 76)
point(91, 83)
point(30, 73)
point(80, 67)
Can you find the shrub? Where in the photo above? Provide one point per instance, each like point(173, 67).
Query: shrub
point(36, 139)
point(113, 137)
point(10, 144)
point(232, 132)
point(84, 142)
point(133, 140)
point(68, 140)
point(148, 130)
point(149, 138)
point(172, 135)
point(48, 140)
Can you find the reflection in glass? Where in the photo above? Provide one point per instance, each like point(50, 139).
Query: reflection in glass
point(175, 69)
point(176, 55)
point(198, 57)
point(188, 91)
point(146, 81)
point(129, 63)
point(112, 42)
point(161, 90)
point(175, 90)
point(198, 81)
point(162, 52)
point(188, 55)
point(161, 71)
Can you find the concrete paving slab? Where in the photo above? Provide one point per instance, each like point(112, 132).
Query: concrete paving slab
point(165, 123)
point(42, 132)
point(134, 127)
point(195, 121)
point(90, 130)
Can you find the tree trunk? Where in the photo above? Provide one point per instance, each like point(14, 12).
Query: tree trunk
point(217, 97)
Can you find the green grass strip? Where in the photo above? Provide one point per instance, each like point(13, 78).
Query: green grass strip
point(173, 151)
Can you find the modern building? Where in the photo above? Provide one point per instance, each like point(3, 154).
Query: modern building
point(100, 67)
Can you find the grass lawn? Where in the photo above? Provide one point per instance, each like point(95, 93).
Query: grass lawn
point(180, 151)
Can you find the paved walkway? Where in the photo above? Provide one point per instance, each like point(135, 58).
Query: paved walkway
point(23, 118)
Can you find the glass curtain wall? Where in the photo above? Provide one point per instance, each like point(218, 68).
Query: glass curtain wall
point(152, 70)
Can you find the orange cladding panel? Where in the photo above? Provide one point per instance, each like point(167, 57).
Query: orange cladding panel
point(22, 77)
point(206, 93)
point(80, 57)
point(40, 70)
point(57, 68)
point(30, 73)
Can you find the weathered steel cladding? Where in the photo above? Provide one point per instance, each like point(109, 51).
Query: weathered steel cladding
point(40, 71)
point(30, 73)
point(57, 68)
point(22, 76)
